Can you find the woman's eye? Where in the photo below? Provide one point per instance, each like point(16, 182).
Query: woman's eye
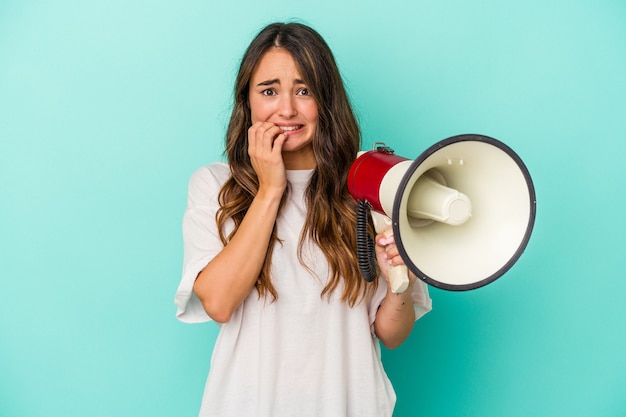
point(304, 92)
point(268, 92)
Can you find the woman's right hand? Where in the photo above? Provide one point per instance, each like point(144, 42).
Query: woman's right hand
point(265, 142)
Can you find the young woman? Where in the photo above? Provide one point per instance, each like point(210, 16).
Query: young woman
point(270, 248)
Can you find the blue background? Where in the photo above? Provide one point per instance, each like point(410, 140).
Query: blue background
point(106, 108)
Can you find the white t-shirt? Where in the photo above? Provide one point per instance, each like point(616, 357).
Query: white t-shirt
point(301, 356)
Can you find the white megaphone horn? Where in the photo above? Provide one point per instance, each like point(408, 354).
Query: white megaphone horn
point(461, 213)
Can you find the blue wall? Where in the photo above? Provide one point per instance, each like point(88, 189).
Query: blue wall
point(106, 108)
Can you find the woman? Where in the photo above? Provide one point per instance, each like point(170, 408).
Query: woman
point(270, 248)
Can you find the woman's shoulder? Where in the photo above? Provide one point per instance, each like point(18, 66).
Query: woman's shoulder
point(208, 180)
point(215, 172)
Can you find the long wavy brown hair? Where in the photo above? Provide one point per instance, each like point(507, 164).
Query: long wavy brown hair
point(331, 213)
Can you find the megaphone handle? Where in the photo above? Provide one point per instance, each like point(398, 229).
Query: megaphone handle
point(398, 274)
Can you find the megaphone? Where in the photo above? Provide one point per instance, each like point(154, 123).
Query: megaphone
point(461, 213)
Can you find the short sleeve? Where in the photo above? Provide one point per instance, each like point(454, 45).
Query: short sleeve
point(201, 241)
point(422, 302)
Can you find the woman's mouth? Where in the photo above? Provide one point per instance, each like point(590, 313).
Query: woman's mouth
point(292, 128)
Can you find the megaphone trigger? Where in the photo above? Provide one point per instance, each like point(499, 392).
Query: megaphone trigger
point(398, 274)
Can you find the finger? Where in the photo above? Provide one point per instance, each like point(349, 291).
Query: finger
point(277, 145)
point(384, 239)
point(389, 250)
point(252, 138)
point(261, 136)
point(395, 260)
point(265, 135)
point(392, 251)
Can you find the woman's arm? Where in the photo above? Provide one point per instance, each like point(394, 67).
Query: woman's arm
point(395, 317)
point(228, 279)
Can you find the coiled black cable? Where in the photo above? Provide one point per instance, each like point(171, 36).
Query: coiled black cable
point(365, 250)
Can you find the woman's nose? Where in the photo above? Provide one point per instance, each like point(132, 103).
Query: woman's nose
point(287, 106)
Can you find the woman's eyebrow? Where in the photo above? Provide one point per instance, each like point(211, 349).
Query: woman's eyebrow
point(277, 81)
point(269, 82)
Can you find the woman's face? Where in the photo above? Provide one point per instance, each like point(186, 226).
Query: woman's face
point(279, 95)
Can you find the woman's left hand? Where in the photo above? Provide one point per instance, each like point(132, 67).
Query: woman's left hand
point(388, 256)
